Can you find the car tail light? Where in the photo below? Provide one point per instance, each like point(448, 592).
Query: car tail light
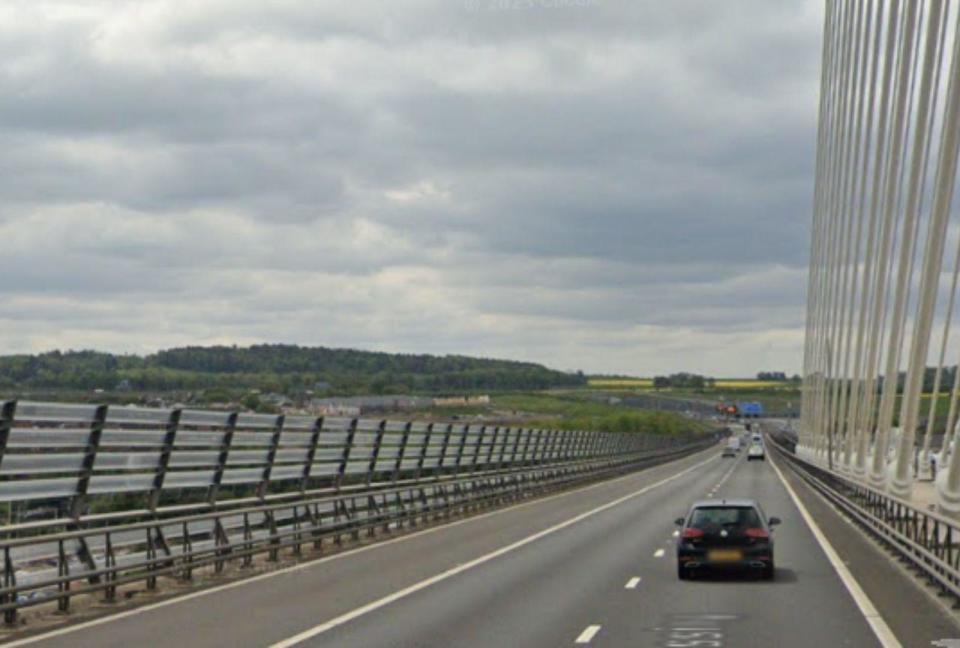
point(758, 534)
point(692, 534)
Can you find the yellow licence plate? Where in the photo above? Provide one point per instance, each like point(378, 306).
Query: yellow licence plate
point(725, 555)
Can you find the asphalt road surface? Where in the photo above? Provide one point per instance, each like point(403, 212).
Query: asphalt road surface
point(593, 566)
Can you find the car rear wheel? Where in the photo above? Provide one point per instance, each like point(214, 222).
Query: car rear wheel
point(682, 572)
point(769, 571)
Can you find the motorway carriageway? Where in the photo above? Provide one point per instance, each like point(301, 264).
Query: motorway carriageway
point(594, 566)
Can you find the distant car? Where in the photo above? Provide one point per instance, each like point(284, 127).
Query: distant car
point(756, 452)
point(728, 452)
point(757, 438)
point(725, 534)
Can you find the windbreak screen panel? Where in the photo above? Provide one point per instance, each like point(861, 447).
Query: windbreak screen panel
point(63, 450)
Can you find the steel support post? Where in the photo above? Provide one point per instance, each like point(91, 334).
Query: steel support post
point(311, 453)
point(447, 434)
point(402, 452)
point(225, 443)
point(345, 456)
point(478, 448)
point(424, 450)
point(504, 444)
point(375, 454)
point(89, 457)
point(169, 440)
point(488, 462)
point(264, 484)
point(464, 430)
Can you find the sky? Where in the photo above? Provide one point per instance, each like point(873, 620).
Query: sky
point(613, 186)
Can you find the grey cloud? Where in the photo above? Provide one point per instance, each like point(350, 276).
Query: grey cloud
point(412, 176)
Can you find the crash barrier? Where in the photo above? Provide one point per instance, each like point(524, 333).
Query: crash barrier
point(926, 540)
point(135, 494)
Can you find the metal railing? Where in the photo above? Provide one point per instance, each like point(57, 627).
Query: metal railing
point(928, 541)
point(144, 493)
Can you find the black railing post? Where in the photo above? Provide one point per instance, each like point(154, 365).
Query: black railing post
point(9, 581)
point(526, 446)
point(478, 448)
point(169, 439)
point(89, 457)
point(311, 452)
point(488, 462)
point(600, 448)
point(225, 443)
point(503, 448)
point(608, 444)
point(345, 457)
point(7, 413)
point(537, 457)
point(377, 444)
point(271, 457)
point(402, 452)
point(424, 449)
point(516, 447)
point(583, 444)
point(593, 444)
point(448, 432)
point(464, 430)
point(573, 445)
point(563, 445)
point(552, 441)
point(559, 444)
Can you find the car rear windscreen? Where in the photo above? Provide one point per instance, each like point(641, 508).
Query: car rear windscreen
point(725, 517)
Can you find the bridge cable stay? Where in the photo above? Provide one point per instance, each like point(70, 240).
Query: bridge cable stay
point(886, 164)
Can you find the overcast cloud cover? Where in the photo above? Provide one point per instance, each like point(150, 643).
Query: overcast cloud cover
point(606, 185)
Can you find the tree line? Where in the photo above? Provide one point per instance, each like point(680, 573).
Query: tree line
point(683, 380)
point(277, 368)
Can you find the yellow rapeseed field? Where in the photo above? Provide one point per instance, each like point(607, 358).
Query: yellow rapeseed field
point(721, 383)
point(747, 384)
point(621, 382)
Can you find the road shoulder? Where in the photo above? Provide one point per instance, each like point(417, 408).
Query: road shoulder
point(912, 612)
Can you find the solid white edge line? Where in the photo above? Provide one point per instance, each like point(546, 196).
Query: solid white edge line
point(416, 587)
point(588, 634)
point(880, 628)
point(318, 561)
point(632, 583)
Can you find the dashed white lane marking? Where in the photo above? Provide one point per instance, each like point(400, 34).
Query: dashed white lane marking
point(723, 480)
point(676, 533)
point(874, 620)
point(658, 553)
point(632, 583)
point(453, 571)
point(588, 633)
